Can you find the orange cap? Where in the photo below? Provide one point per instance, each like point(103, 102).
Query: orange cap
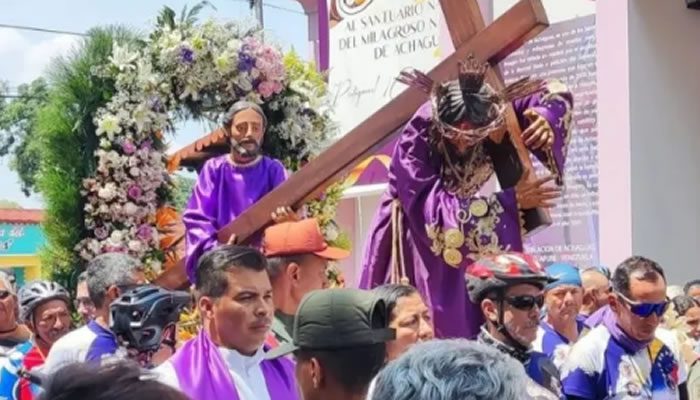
point(301, 237)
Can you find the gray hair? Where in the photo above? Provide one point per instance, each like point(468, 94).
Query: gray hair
point(82, 277)
point(6, 281)
point(242, 106)
point(110, 269)
point(451, 369)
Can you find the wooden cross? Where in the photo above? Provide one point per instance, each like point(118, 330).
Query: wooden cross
point(469, 35)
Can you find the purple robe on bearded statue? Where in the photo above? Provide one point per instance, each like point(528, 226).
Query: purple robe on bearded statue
point(223, 191)
point(429, 228)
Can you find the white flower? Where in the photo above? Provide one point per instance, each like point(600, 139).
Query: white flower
point(331, 232)
point(135, 245)
point(123, 58)
point(109, 125)
point(135, 172)
point(141, 116)
point(130, 208)
point(103, 209)
point(156, 266)
point(105, 143)
point(191, 91)
point(223, 63)
point(108, 191)
point(94, 246)
point(116, 237)
point(244, 82)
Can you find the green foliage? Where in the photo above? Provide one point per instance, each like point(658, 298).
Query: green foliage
point(9, 204)
point(67, 143)
point(182, 189)
point(18, 140)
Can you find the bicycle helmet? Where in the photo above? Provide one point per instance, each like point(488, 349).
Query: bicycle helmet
point(494, 274)
point(142, 315)
point(36, 293)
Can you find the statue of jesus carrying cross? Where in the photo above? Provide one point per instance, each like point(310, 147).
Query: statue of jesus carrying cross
point(433, 221)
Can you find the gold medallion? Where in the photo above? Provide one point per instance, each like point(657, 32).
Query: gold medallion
point(452, 257)
point(454, 238)
point(479, 208)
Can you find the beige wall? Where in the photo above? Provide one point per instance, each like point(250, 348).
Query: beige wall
point(664, 86)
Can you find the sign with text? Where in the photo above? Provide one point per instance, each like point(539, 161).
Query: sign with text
point(370, 42)
point(16, 239)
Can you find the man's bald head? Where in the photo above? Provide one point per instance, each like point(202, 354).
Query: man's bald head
point(596, 287)
point(592, 278)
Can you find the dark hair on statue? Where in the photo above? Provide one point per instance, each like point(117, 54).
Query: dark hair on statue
point(644, 269)
point(112, 381)
point(391, 293)
point(211, 277)
point(364, 362)
point(469, 98)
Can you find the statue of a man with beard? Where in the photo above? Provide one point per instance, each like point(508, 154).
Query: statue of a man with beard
point(227, 185)
point(436, 217)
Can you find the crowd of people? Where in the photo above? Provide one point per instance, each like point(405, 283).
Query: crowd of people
point(272, 329)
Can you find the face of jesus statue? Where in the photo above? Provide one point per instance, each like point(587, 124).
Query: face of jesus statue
point(247, 131)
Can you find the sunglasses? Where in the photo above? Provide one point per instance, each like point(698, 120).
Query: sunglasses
point(525, 302)
point(645, 310)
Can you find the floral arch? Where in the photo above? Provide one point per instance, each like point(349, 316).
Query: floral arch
point(187, 69)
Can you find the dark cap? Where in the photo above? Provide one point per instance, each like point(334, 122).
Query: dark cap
point(331, 319)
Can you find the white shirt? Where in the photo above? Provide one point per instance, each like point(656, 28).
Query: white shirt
point(246, 372)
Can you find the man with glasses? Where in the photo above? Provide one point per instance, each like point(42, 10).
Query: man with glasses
point(83, 305)
point(229, 184)
point(509, 290)
point(108, 276)
point(624, 357)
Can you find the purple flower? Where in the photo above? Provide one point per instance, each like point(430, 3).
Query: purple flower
point(134, 192)
point(155, 104)
point(101, 233)
point(186, 55)
point(246, 62)
point(147, 145)
point(128, 147)
point(145, 232)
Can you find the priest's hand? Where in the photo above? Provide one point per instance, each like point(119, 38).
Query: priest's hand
point(533, 193)
point(284, 214)
point(538, 134)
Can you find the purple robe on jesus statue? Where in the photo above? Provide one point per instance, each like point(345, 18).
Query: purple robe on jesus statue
point(223, 191)
point(429, 228)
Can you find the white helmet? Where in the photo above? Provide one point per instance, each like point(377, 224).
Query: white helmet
point(36, 293)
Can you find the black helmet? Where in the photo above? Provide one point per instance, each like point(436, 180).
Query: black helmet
point(498, 272)
point(140, 316)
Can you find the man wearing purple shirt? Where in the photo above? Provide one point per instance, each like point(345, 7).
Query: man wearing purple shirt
point(435, 219)
point(229, 184)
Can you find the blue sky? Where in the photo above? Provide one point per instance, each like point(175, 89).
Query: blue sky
point(24, 55)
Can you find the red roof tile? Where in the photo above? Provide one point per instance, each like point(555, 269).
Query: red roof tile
point(20, 216)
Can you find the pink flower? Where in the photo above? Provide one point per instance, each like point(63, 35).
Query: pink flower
point(134, 192)
point(145, 232)
point(266, 89)
point(101, 233)
point(128, 147)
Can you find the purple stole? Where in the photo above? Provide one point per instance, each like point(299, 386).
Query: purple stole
point(203, 374)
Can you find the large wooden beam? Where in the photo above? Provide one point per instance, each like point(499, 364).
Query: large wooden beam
point(494, 43)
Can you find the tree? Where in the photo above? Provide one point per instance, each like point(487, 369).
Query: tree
point(9, 204)
point(18, 139)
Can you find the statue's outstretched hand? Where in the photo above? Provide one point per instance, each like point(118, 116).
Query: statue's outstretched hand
point(284, 214)
point(533, 193)
point(538, 134)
